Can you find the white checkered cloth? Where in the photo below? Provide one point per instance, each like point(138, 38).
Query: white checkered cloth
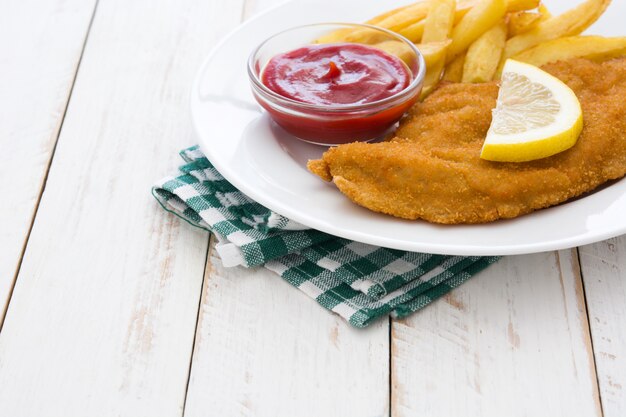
point(360, 282)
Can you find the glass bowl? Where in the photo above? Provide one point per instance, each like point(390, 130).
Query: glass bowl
point(336, 123)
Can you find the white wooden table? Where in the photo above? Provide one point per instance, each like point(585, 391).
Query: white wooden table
point(111, 307)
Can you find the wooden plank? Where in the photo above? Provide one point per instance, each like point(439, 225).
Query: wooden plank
point(40, 46)
point(263, 348)
point(513, 341)
point(103, 314)
point(604, 274)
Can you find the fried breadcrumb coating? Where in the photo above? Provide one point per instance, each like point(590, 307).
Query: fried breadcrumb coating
point(432, 169)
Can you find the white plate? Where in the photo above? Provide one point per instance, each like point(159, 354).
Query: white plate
point(269, 166)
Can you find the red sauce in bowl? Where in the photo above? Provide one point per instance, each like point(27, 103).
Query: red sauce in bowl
point(336, 74)
point(336, 93)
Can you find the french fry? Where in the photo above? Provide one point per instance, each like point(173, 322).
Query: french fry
point(433, 75)
point(365, 36)
point(438, 23)
point(591, 47)
point(437, 28)
point(570, 23)
point(414, 31)
point(511, 5)
point(433, 52)
point(377, 19)
point(398, 49)
point(394, 20)
point(467, 41)
point(477, 21)
point(405, 16)
point(519, 5)
point(462, 8)
point(454, 70)
point(483, 56)
point(520, 22)
point(544, 12)
point(335, 36)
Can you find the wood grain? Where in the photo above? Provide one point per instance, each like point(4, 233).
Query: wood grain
point(103, 314)
point(512, 341)
point(604, 272)
point(40, 47)
point(263, 348)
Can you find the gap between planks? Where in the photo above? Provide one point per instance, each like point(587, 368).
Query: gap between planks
point(209, 384)
point(593, 352)
point(247, 9)
point(245, 14)
point(583, 300)
point(130, 380)
point(207, 271)
point(544, 361)
point(5, 309)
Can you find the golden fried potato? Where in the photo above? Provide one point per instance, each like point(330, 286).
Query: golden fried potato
point(454, 70)
point(365, 36)
point(570, 23)
point(438, 23)
point(399, 49)
point(437, 28)
point(483, 56)
point(433, 51)
point(405, 16)
point(466, 40)
point(511, 5)
point(520, 22)
point(519, 5)
point(377, 19)
point(477, 21)
point(393, 20)
point(544, 12)
point(596, 48)
point(414, 31)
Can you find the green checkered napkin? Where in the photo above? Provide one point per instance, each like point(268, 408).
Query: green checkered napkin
point(359, 282)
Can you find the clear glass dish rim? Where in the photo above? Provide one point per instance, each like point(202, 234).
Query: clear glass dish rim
point(374, 105)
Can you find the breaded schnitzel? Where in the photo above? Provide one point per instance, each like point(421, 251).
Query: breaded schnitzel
point(432, 170)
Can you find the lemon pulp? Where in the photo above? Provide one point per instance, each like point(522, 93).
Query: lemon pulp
point(536, 116)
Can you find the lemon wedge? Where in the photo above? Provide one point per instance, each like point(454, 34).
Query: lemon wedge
point(536, 116)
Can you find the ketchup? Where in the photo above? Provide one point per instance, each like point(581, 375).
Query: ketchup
point(340, 73)
point(344, 83)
